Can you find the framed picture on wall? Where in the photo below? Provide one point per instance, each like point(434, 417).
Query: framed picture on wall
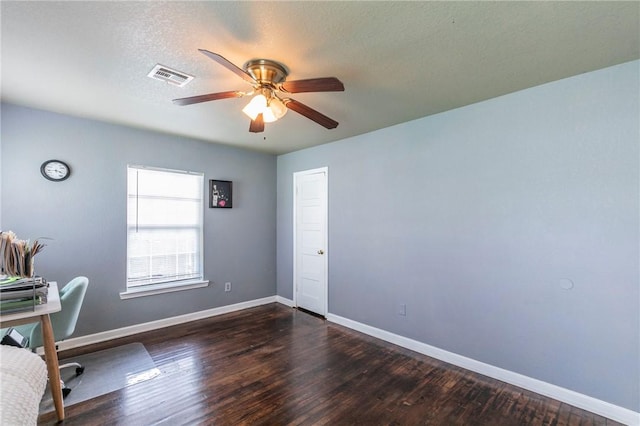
point(220, 194)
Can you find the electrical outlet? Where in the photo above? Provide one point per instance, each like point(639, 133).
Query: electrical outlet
point(402, 310)
point(227, 286)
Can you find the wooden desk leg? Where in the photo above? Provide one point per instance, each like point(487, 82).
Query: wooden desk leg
point(51, 357)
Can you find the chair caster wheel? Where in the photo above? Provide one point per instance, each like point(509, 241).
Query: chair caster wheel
point(65, 392)
point(79, 371)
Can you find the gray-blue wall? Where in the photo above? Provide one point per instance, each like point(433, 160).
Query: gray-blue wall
point(477, 217)
point(86, 214)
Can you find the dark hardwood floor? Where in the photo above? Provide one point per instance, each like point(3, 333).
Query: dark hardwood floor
point(274, 365)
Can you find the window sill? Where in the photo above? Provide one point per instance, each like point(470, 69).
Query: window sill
point(151, 290)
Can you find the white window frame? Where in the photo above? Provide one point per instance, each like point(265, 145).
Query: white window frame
point(172, 285)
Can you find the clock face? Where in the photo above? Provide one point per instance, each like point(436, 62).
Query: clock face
point(55, 170)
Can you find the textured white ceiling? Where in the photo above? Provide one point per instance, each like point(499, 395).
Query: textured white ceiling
point(398, 60)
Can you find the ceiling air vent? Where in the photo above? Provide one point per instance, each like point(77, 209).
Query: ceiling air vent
point(162, 73)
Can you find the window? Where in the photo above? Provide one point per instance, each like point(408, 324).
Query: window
point(164, 228)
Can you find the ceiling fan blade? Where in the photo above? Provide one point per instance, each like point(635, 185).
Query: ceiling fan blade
point(209, 97)
point(229, 65)
point(310, 113)
point(257, 125)
point(327, 84)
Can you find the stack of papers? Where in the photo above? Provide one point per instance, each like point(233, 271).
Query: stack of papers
point(20, 294)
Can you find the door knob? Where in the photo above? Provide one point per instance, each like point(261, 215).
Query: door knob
point(320, 251)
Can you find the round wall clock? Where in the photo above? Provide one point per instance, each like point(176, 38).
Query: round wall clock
point(55, 170)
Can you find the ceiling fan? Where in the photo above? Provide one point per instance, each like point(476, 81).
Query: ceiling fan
point(268, 79)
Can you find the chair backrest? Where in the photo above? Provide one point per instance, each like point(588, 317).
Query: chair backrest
point(64, 322)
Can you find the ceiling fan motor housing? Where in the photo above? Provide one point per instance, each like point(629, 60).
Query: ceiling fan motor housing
point(266, 71)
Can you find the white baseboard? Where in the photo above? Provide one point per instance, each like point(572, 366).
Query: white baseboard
point(602, 408)
point(154, 325)
point(284, 301)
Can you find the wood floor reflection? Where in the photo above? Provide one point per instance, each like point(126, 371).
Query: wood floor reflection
point(273, 365)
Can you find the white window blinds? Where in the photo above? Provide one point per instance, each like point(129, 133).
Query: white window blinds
point(164, 226)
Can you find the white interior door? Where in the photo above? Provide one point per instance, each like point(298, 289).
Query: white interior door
point(310, 240)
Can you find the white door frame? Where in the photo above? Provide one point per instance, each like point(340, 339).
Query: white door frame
point(296, 176)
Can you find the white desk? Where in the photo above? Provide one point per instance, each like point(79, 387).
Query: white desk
point(42, 312)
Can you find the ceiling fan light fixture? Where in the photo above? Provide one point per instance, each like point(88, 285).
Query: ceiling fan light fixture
point(271, 110)
point(268, 115)
point(256, 106)
point(278, 107)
